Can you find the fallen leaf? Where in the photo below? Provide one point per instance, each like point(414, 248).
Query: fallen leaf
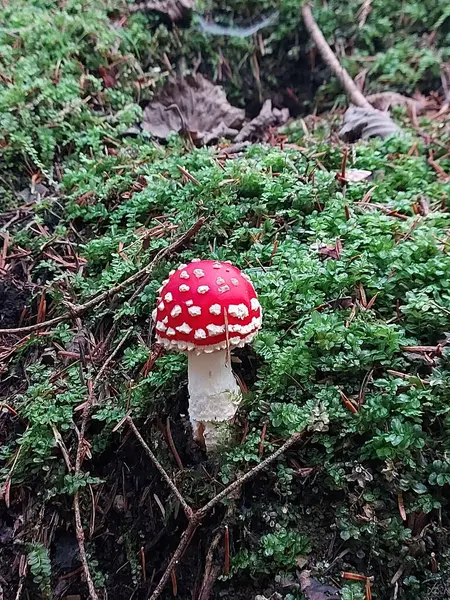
point(366, 123)
point(331, 251)
point(34, 193)
point(174, 9)
point(268, 117)
point(357, 175)
point(385, 100)
point(194, 106)
point(314, 590)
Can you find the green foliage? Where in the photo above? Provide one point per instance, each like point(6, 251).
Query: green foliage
point(40, 567)
point(275, 552)
point(46, 98)
point(283, 547)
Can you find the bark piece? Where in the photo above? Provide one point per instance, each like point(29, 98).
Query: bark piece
point(386, 100)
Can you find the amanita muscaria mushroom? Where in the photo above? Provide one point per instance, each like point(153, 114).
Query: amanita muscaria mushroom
point(206, 308)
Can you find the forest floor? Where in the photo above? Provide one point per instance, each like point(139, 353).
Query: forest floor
point(347, 245)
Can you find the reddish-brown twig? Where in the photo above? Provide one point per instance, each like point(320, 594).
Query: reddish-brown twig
point(172, 446)
point(75, 310)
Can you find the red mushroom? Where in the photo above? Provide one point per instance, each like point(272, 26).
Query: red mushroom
point(205, 308)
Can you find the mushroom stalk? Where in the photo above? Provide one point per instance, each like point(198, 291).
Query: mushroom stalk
point(214, 397)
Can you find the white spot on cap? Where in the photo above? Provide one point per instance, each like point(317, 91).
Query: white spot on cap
point(215, 329)
point(194, 311)
point(254, 304)
point(170, 331)
point(181, 267)
point(200, 334)
point(184, 288)
point(245, 276)
point(166, 318)
point(235, 340)
point(196, 260)
point(160, 326)
point(202, 289)
point(185, 328)
point(161, 306)
point(240, 311)
point(171, 272)
point(223, 289)
point(217, 265)
point(176, 310)
point(234, 281)
point(184, 275)
point(189, 302)
point(215, 309)
point(154, 313)
point(199, 273)
point(168, 297)
point(228, 262)
point(220, 281)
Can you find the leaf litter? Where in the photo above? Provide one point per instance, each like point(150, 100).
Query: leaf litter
point(197, 108)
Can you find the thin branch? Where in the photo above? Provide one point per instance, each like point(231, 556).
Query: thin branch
point(80, 538)
point(187, 509)
point(249, 475)
point(354, 95)
point(196, 518)
point(183, 544)
point(172, 445)
point(77, 310)
point(211, 571)
point(79, 460)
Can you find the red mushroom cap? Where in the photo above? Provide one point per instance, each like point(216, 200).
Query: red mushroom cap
point(206, 305)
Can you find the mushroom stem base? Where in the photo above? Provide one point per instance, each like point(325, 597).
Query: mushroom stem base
point(214, 398)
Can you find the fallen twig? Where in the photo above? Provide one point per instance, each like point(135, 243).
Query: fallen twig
point(81, 452)
point(187, 509)
point(77, 310)
point(196, 516)
point(353, 93)
point(211, 571)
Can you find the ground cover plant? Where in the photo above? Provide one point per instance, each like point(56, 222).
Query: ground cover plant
point(352, 276)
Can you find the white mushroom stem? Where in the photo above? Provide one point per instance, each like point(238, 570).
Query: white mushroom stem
point(214, 397)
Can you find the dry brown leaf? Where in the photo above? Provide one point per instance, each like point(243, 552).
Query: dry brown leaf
point(331, 251)
point(366, 123)
point(385, 100)
point(194, 106)
point(314, 590)
point(268, 117)
point(357, 175)
point(174, 9)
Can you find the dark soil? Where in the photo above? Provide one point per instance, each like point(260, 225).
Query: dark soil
point(13, 298)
